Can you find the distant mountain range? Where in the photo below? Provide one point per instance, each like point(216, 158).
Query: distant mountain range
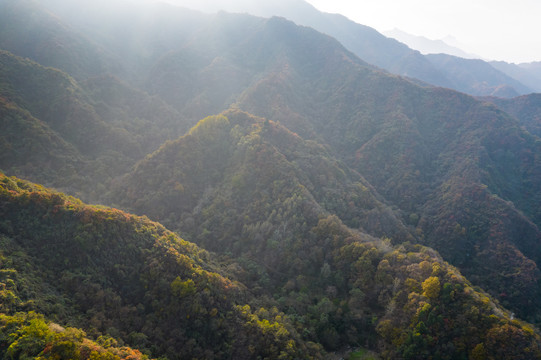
point(428, 46)
point(311, 204)
point(527, 73)
point(477, 77)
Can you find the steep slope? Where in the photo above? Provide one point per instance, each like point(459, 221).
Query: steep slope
point(28, 31)
point(28, 335)
point(408, 141)
point(268, 200)
point(292, 218)
point(428, 46)
point(26, 141)
point(54, 102)
point(148, 120)
point(138, 33)
point(113, 273)
point(477, 77)
point(81, 135)
point(366, 43)
point(228, 157)
point(376, 49)
point(525, 73)
point(527, 109)
point(207, 75)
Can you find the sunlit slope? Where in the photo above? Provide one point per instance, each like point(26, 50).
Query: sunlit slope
point(425, 150)
point(274, 174)
point(435, 166)
point(113, 273)
point(271, 204)
point(135, 32)
point(30, 335)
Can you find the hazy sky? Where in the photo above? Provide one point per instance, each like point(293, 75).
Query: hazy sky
point(507, 30)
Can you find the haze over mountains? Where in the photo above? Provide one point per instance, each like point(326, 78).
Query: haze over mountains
point(310, 203)
point(525, 73)
point(429, 46)
point(386, 53)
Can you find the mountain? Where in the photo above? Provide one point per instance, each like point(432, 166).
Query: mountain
point(370, 118)
point(86, 132)
point(117, 274)
point(475, 77)
point(365, 42)
point(528, 74)
point(317, 182)
point(522, 72)
point(28, 31)
point(428, 46)
point(234, 158)
point(339, 287)
point(135, 30)
point(533, 67)
point(526, 108)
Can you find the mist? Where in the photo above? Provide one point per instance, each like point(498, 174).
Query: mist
point(263, 8)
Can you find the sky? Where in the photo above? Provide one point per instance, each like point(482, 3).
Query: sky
point(494, 29)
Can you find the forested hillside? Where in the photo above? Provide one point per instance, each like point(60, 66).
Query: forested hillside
point(474, 77)
point(247, 184)
point(477, 77)
point(527, 109)
point(116, 274)
point(326, 206)
point(85, 132)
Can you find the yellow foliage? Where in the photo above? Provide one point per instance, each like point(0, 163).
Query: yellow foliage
point(182, 288)
point(384, 328)
point(528, 329)
point(179, 187)
point(479, 352)
point(413, 285)
point(425, 267)
point(209, 123)
point(436, 269)
point(423, 307)
point(431, 287)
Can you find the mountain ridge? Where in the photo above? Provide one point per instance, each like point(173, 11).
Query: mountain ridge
point(99, 245)
point(185, 259)
point(313, 185)
point(375, 48)
point(428, 46)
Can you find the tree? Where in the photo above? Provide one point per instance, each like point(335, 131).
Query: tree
point(431, 287)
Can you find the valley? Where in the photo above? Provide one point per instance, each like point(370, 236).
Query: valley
point(260, 191)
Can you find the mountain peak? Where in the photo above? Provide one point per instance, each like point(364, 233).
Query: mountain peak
point(309, 203)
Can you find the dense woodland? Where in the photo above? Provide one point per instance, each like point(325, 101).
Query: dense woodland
point(265, 194)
